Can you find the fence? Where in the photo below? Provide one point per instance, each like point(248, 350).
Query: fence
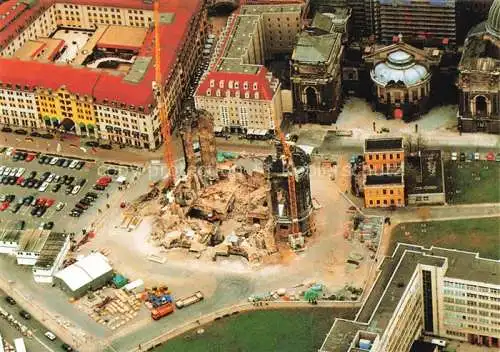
point(226, 312)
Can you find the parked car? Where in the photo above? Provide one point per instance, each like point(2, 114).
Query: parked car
point(19, 180)
point(49, 202)
point(4, 205)
point(43, 187)
point(476, 156)
point(99, 187)
point(30, 157)
point(80, 165)
point(454, 156)
point(74, 214)
point(51, 178)
point(50, 336)
point(92, 144)
point(82, 182)
point(69, 189)
point(6, 129)
point(47, 136)
point(490, 156)
point(470, 157)
point(10, 300)
point(49, 225)
point(20, 172)
point(41, 211)
point(76, 189)
point(462, 156)
point(54, 160)
point(106, 146)
point(61, 162)
point(41, 159)
point(73, 164)
point(56, 187)
point(16, 208)
point(112, 172)
point(66, 347)
point(60, 206)
point(35, 134)
point(20, 131)
point(20, 225)
point(69, 180)
point(25, 314)
point(66, 163)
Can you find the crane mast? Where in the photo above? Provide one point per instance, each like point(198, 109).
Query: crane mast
point(290, 167)
point(158, 90)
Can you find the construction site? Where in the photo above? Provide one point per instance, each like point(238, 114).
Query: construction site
point(222, 206)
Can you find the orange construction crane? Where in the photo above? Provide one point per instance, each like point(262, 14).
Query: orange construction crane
point(292, 193)
point(168, 155)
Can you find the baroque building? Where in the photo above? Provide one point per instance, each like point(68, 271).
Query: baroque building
point(478, 83)
point(401, 76)
point(316, 69)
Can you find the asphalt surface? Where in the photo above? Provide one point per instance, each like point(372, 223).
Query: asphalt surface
point(62, 221)
point(38, 342)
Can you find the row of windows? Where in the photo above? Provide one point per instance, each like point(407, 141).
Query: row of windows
point(384, 156)
point(385, 202)
point(470, 287)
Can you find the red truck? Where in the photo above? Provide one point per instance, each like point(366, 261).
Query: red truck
point(161, 311)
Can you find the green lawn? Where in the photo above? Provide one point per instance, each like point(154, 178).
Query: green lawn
point(283, 330)
point(474, 182)
point(474, 235)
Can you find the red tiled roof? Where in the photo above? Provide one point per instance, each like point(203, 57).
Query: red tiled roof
point(102, 85)
point(10, 9)
point(263, 85)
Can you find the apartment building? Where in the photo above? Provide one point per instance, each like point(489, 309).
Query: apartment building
point(239, 91)
point(419, 291)
point(115, 106)
point(384, 155)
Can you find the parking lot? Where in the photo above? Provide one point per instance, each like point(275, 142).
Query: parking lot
point(58, 204)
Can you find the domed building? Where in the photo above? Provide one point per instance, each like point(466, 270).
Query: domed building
point(401, 76)
point(479, 70)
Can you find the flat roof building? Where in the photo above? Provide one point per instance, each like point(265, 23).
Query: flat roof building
point(442, 292)
point(51, 257)
point(424, 178)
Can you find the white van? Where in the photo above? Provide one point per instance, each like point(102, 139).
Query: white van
point(438, 342)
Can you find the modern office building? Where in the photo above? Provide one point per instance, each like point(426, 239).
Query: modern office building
point(240, 93)
point(87, 66)
point(418, 291)
point(478, 81)
point(431, 19)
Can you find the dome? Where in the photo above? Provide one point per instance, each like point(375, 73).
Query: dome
point(493, 22)
point(399, 67)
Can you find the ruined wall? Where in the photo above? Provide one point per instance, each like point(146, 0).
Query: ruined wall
point(279, 195)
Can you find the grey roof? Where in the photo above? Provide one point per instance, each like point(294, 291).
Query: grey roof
point(396, 272)
point(400, 67)
point(314, 48)
point(493, 22)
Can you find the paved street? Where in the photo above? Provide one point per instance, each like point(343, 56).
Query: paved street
point(38, 342)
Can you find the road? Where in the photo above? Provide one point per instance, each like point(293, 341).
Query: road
point(38, 342)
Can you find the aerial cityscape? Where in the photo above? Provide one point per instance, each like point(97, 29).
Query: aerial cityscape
point(250, 175)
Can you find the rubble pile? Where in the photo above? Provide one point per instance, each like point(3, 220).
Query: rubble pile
point(229, 216)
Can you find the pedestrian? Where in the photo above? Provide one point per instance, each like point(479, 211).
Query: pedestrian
point(107, 206)
point(107, 195)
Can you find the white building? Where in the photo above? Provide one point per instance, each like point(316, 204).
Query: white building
point(437, 292)
point(89, 273)
point(9, 242)
point(51, 257)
